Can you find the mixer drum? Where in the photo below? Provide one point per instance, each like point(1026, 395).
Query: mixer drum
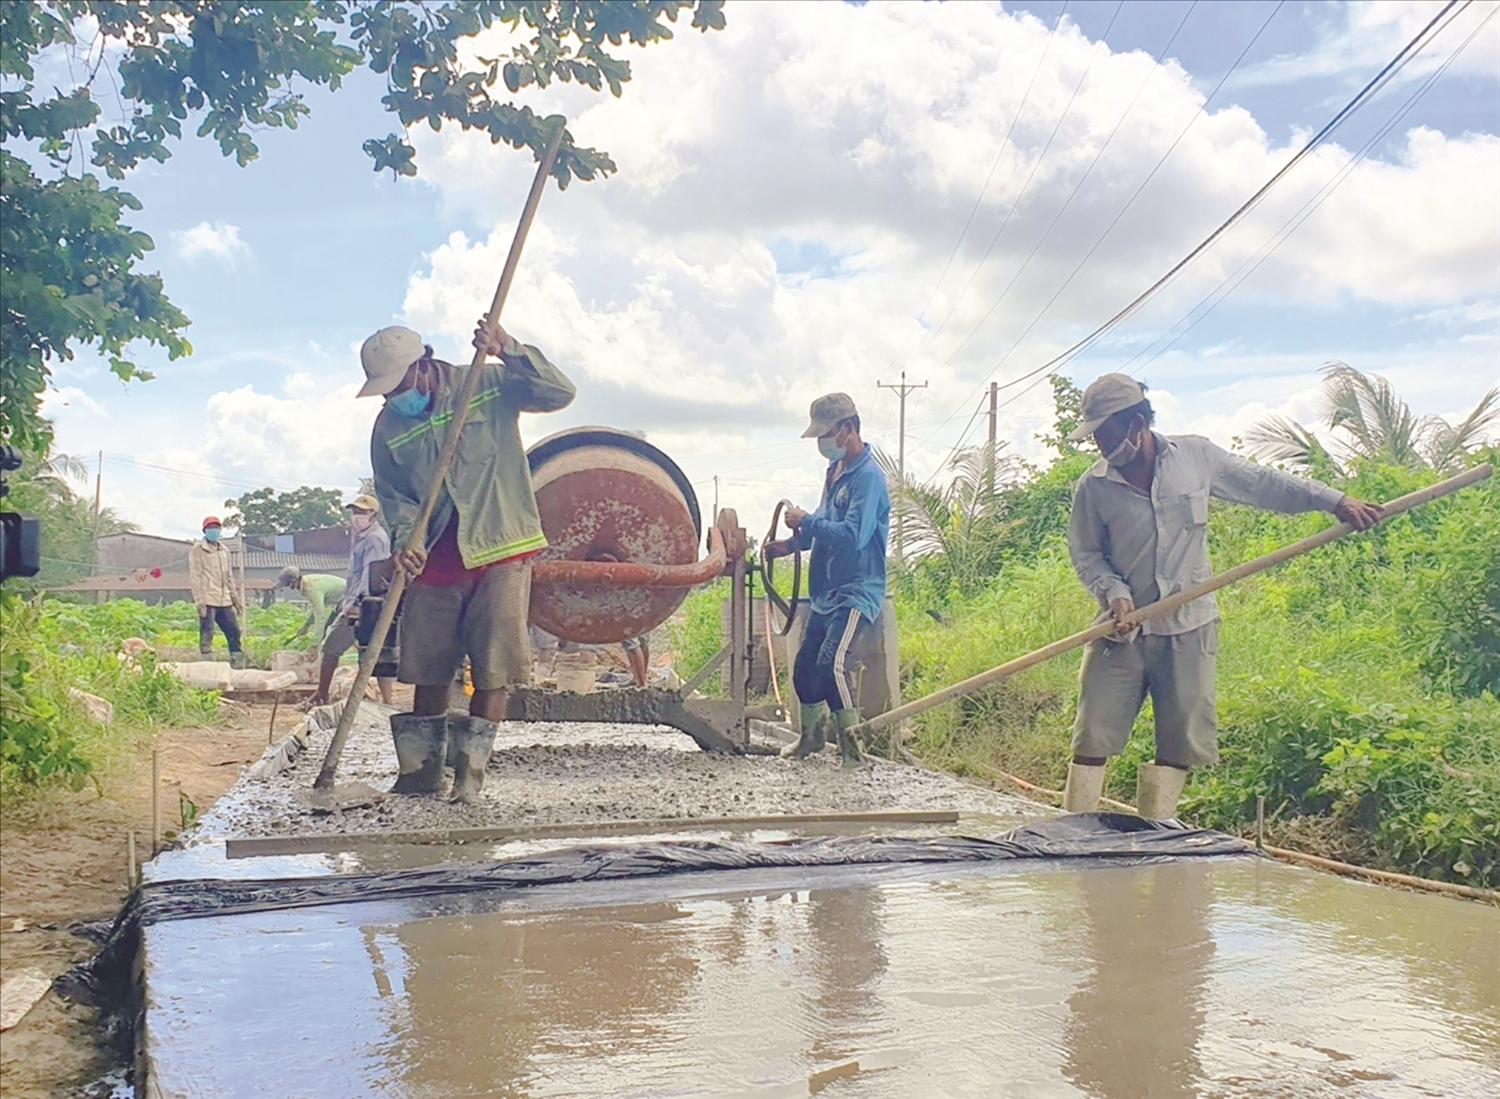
point(608, 496)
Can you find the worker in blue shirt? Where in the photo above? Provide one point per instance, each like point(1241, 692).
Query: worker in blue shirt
point(846, 576)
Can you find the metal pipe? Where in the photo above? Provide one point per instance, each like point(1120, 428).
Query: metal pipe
point(628, 574)
point(1167, 605)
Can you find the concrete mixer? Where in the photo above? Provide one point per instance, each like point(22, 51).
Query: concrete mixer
point(623, 530)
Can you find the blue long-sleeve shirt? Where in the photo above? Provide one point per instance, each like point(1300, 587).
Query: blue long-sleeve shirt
point(847, 536)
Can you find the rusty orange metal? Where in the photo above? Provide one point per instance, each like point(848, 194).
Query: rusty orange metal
point(622, 526)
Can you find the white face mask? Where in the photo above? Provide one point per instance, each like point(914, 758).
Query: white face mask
point(1123, 454)
point(361, 522)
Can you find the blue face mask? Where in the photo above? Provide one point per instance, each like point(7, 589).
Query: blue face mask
point(211, 534)
point(830, 449)
point(410, 402)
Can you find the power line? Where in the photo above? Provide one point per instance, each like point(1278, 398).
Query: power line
point(1021, 194)
point(1213, 299)
point(1303, 213)
point(1161, 55)
point(1384, 76)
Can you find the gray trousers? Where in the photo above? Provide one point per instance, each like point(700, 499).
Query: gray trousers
point(1176, 670)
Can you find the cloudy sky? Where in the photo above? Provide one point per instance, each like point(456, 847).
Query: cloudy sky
point(822, 196)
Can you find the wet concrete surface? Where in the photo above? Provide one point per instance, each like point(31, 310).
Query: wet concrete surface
point(545, 773)
point(1224, 977)
point(1230, 976)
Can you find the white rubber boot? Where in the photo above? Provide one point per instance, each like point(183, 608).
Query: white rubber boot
point(1157, 789)
point(1085, 784)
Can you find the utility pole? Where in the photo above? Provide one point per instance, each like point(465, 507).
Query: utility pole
point(994, 411)
point(901, 391)
point(98, 495)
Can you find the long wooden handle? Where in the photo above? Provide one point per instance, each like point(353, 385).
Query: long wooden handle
point(418, 537)
point(1167, 605)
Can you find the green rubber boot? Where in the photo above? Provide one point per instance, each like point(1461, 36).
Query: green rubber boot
point(421, 746)
point(849, 753)
point(814, 732)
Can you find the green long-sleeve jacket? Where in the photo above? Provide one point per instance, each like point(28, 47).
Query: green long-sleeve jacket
point(489, 481)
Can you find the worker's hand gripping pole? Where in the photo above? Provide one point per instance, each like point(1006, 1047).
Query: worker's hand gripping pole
point(418, 539)
point(1167, 605)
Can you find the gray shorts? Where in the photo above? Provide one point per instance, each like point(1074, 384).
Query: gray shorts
point(340, 636)
point(483, 619)
point(1176, 670)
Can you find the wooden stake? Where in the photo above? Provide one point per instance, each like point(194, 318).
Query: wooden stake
point(1168, 605)
point(155, 801)
point(1260, 822)
point(130, 846)
point(271, 732)
point(418, 539)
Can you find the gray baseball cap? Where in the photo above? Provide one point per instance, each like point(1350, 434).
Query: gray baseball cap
point(1106, 395)
point(827, 412)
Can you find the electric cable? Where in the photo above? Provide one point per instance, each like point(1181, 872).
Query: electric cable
point(1026, 185)
point(1213, 299)
point(1161, 55)
point(978, 199)
point(1200, 113)
point(1418, 42)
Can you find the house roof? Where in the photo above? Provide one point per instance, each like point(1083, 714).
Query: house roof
point(308, 562)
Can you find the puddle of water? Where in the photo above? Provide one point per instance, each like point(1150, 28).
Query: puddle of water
point(1230, 977)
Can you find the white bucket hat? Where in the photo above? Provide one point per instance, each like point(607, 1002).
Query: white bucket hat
point(386, 357)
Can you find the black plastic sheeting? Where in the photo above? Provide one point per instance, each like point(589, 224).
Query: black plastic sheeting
point(106, 979)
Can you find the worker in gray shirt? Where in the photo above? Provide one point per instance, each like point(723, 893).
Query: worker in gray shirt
point(1139, 532)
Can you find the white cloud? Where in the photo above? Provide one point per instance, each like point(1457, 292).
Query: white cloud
point(218, 240)
point(865, 133)
point(1360, 38)
point(72, 398)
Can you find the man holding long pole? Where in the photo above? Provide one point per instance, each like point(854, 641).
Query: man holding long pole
point(1139, 533)
point(471, 583)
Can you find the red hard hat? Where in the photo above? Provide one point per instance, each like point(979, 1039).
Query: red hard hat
point(212, 521)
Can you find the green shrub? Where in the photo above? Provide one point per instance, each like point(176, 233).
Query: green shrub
point(47, 649)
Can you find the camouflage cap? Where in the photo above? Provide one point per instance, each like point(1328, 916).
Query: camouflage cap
point(827, 412)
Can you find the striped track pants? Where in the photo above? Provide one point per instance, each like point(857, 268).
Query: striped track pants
point(820, 674)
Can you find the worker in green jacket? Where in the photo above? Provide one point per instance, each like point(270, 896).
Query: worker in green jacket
point(470, 587)
point(323, 592)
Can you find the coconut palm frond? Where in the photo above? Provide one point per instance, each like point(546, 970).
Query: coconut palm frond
point(1446, 444)
point(1283, 441)
point(1366, 408)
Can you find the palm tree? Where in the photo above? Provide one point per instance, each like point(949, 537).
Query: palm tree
point(1370, 421)
point(958, 528)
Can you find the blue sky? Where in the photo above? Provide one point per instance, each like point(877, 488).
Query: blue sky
point(791, 191)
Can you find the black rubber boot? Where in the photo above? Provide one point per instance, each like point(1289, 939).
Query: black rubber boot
point(849, 753)
point(814, 737)
point(421, 746)
point(470, 742)
point(237, 661)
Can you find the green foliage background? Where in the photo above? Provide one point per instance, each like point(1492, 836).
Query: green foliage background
point(1357, 685)
point(48, 646)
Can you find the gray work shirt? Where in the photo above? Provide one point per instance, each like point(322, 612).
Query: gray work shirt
point(1126, 543)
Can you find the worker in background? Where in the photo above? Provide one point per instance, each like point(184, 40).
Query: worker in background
point(846, 574)
point(470, 586)
point(323, 592)
point(1139, 533)
point(638, 656)
point(368, 544)
point(215, 594)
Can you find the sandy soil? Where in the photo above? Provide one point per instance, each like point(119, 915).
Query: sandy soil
point(64, 861)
